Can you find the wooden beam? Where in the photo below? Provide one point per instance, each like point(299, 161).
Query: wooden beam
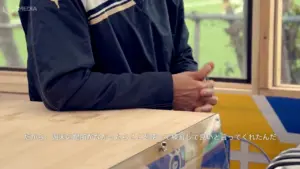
point(234, 88)
point(281, 92)
point(13, 82)
point(278, 43)
point(266, 44)
point(255, 45)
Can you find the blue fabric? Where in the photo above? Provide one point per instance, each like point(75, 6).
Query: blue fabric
point(124, 61)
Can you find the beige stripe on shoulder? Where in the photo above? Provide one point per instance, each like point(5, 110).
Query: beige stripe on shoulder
point(56, 3)
point(112, 11)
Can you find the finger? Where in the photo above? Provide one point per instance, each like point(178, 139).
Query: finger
point(206, 84)
point(209, 84)
point(205, 108)
point(211, 100)
point(207, 92)
point(204, 71)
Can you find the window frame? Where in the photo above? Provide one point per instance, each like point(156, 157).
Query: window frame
point(262, 41)
point(269, 61)
point(265, 56)
point(14, 80)
point(248, 21)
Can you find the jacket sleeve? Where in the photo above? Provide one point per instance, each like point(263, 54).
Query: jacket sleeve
point(183, 60)
point(58, 41)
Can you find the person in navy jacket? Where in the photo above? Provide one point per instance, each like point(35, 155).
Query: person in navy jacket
point(113, 54)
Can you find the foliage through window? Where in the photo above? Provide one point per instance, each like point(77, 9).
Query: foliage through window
point(218, 33)
point(290, 54)
point(13, 52)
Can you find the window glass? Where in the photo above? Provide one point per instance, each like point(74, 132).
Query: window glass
point(218, 33)
point(13, 50)
point(290, 61)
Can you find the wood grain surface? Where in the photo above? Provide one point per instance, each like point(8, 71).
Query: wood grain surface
point(31, 135)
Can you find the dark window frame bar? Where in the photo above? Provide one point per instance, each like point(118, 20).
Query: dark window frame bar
point(248, 10)
point(13, 69)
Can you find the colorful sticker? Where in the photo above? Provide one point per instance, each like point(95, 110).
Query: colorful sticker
point(217, 157)
point(174, 160)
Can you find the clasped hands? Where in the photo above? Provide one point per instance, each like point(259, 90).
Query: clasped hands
point(192, 92)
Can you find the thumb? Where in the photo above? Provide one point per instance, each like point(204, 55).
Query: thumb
point(204, 71)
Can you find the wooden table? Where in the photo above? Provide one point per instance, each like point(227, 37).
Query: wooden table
point(33, 137)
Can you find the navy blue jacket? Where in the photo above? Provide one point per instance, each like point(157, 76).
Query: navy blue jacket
point(105, 54)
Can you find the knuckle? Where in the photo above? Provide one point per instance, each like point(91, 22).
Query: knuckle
point(214, 103)
point(210, 91)
point(211, 83)
point(201, 85)
point(216, 100)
